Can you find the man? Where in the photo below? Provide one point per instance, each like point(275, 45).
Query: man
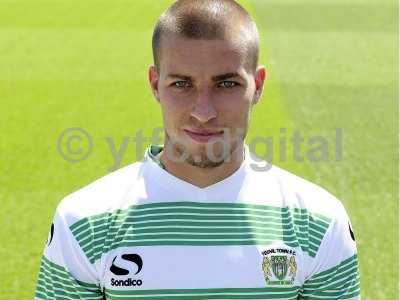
point(198, 218)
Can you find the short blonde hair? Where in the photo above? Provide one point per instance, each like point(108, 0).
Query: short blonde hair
point(208, 19)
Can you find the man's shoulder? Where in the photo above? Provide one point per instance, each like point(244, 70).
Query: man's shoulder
point(298, 192)
point(104, 194)
point(309, 195)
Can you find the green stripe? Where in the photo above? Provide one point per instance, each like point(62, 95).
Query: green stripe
point(187, 294)
point(54, 282)
point(175, 206)
point(339, 282)
point(199, 224)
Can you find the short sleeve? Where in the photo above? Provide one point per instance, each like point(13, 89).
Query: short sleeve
point(65, 272)
point(334, 273)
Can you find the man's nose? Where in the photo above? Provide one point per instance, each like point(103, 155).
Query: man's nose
point(203, 109)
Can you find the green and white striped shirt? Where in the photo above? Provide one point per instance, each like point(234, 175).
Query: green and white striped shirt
point(141, 233)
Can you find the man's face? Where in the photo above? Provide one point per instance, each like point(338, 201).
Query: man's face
point(206, 93)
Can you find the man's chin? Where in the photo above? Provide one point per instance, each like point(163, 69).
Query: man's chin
point(206, 158)
point(204, 155)
point(203, 161)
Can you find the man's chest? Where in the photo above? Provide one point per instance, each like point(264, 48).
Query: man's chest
point(196, 248)
point(203, 272)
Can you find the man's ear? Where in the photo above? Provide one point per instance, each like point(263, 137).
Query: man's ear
point(153, 80)
point(259, 78)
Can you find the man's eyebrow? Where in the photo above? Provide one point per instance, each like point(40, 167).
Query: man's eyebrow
point(179, 76)
point(225, 76)
point(214, 78)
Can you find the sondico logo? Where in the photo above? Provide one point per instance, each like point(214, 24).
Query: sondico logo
point(133, 258)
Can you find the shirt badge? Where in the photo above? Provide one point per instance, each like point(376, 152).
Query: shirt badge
point(279, 266)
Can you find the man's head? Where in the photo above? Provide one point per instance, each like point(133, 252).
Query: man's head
point(206, 78)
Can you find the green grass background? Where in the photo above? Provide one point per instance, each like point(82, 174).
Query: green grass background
point(332, 64)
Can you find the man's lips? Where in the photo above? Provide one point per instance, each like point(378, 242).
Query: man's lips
point(203, 136)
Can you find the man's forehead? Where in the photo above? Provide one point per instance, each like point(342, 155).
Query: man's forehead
point(216, 57)
point(179, 43)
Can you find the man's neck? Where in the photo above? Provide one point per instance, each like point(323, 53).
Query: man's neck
point(203, 177)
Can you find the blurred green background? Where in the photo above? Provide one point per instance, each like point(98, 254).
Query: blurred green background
point(332, 64)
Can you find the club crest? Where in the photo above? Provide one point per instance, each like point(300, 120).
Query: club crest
point(279, 266)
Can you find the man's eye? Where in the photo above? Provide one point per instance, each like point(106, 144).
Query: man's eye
point(181, 84)
point(227, 84)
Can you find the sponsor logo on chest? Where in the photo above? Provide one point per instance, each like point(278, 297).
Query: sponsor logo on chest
point(133, 260)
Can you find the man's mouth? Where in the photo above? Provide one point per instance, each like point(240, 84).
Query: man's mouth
point(203, 136)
